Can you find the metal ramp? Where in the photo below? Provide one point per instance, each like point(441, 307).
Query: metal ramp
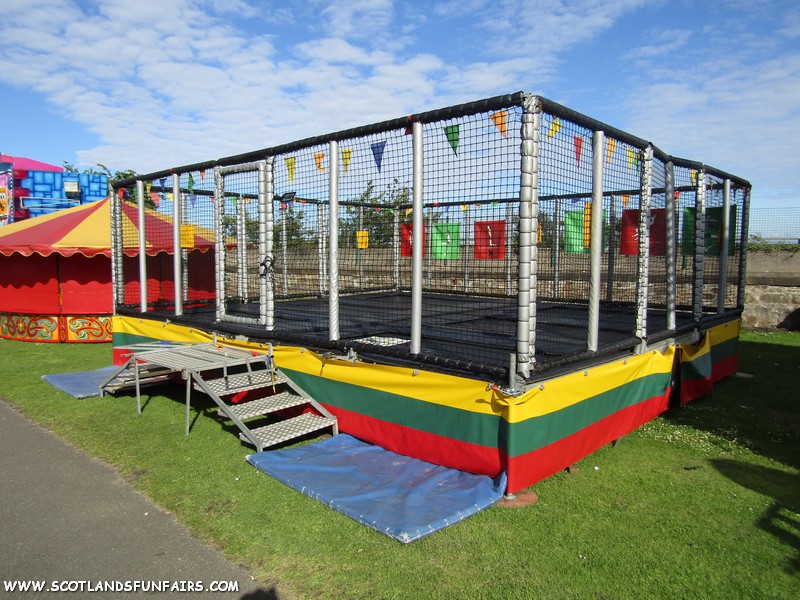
point(224, 374)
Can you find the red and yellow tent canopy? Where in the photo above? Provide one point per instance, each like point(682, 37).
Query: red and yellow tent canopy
point(86, 230)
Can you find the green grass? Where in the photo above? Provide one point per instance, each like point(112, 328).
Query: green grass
point(702, 502)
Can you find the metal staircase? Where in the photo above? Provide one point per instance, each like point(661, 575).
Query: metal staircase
point(224, 374)
point(279, 394)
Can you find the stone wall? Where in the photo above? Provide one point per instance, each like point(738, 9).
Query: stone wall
point(773, 291)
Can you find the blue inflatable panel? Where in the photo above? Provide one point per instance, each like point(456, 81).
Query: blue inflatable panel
point(81, 384)
point(401, 497)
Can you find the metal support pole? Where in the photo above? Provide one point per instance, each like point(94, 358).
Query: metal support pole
point(509, 254)
point(359, 258)
point(220, 249)
point(528, 216)
point(427, 243)
point(321, 248)
point(466, 254)
point(418, 238)
point(612, 249)
point(643, 265)
point(266, 288)
point(177, 263)
point(724, 237)
point(743, 248)
point(142, 247)
point(185, 254)
point(557, 252)
point(116, 247)
point(333, 256)
point(284, 250)
point(670, 258)
point(396, 249)
point(699, 247)
point(596, 241)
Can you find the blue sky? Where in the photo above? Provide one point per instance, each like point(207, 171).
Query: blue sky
point(151, 84)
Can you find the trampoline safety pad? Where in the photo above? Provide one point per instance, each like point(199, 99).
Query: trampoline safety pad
point(81, 384)
point(401, 497)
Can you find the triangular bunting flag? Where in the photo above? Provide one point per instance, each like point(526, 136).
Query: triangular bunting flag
point(555, 127)
point(578, 148)
point(612, 143)
point(319, 157)
point(500, 121)
point(346, 154)
point(191, 184)
point(202, 174)
point(377, 153)
point(452, 133)
point(630, 157)
point(147, 187)
point(192, 199)
point(625, 199)
point(121, 193)
point(290, 163)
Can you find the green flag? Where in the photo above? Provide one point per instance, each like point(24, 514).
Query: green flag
point(446, 241)
point(451, 131)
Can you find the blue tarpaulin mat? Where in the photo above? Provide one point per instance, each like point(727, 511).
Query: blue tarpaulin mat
point(81, 384)
point(401, 497)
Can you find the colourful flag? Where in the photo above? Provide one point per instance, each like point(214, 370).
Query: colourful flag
point(500, 120)
point(362, 239)
point(446, 241)
point(407, 239)
point(555, 127)
point(290, 162)
point(578, 148)
point(377, 153)
point(490, 240)
point(346, 154)
point(191, 184)
point(630, 156)
point(612, 143)
point(452, 133)
point(319, 157)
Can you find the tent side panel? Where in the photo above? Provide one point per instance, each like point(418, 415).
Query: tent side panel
point(29, 284)
point(85, 285)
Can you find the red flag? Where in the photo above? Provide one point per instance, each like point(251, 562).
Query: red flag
point(406, 239)
point(490, 240)
point(578, 148)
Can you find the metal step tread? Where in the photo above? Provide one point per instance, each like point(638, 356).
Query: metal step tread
point(241, 382)
point(290, 429)
point(264, 406)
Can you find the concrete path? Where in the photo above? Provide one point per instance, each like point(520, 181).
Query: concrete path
point(68, 518)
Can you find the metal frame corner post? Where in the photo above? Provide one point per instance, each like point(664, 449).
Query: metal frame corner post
point(528, 219)
point(142, 246)
point(418, 237)
point(116, 251)
point(219, 254)
point(596, 241)
point(643, 264)
point(743, 249)
point(177, 262)
point(699, 246)
point(722, 291)
point(333, 246)
point(266, 289)
point(670, 245)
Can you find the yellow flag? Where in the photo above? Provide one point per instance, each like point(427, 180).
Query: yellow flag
point(318, 158)
point(555, 127)
point(362, 238)
point(147, 187)
point(500, 120)
point(290, 163)
point(694, 176)
point(630, 157)
point(625, 199)
point(346, 154)
point(612, 143)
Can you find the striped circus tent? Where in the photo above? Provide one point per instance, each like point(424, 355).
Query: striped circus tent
point(55, 270)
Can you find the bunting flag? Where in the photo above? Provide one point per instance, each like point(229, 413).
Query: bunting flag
point(407, 239)
point(578, 149)
point(147, 187)
point(346, 154)
point(319, 157)
point(610, 146)
point(409, 211)
point(377, 153)
point(446, 241)
point(625, 199)
point(121, 193)
point(156, 198)
point(202, 174)
point(465, 207)
point(693, 173)
point(587, 224)
point(290, 163)
point(362, 239)
point(490, 240)
point(630, 157)
point(192, 199)
point(500, 120)
point(191, 184)
point(629, 234)
point(452, 133)
point(555, 127)
point(573, 232)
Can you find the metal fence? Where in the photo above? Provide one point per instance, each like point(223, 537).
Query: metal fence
point(509, 234)
point(775, 225)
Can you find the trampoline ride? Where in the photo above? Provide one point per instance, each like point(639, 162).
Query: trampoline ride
point(499, 287)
